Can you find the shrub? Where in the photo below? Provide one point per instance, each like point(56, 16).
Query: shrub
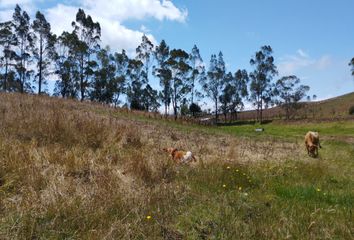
point(351, 110)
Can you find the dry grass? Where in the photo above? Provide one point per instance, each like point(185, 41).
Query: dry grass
point(68, 172)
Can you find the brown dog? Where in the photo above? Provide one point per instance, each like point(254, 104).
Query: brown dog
point(180, 156)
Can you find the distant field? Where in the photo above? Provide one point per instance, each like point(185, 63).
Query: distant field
point(71, 170)
point(295, 129)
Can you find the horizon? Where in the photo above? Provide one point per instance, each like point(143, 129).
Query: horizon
point(308, 41)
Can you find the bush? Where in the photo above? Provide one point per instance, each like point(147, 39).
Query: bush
point(351, 110)
point(194, 108)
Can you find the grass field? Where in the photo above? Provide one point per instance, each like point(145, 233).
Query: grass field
point(71, 170)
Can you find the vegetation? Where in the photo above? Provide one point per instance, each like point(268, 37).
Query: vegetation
point(261, 77)
point(84, 171)
point(32, 54)
point(290, 94)
point(351, 110)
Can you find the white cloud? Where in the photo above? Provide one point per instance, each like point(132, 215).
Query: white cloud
point(7, 8)
point(6, 15)
point(292, 64)
point(110, 14)
point(11, 3)
point(121, 10)
point(61, 17)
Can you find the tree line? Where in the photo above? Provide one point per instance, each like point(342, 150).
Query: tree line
point(31, 54)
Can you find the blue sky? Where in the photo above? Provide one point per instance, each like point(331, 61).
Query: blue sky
point(312, 39)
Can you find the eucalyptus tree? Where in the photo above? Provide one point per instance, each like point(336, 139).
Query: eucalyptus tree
point(136, 82)
point(24, 44)
point(89, 35)
point(150, 99)
point(67, 65)
point(261, 79)
point(198, 71)
point(226, 95)
point(121, 65)
point(289, 93)
point(180, 79)
point(8, 42)
point(239, 92)
point(162, 71)
point(44, 49)
point(144, 53)
point(213, 84)
point(104, 83)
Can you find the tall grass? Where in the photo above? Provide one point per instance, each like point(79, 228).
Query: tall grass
point(71, 170)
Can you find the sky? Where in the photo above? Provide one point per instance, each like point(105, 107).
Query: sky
point(312, 39)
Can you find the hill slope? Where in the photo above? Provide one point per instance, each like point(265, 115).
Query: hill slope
point(333, 108)
point(84, 171)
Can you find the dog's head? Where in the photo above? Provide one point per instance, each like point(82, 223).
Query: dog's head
point(313, 148)
point(170, 150)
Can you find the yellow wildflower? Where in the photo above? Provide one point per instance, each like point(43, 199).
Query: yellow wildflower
point(148, 217)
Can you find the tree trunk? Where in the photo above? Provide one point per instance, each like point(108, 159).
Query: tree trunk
point(175, 111)
point(82, 90)
point(40, 67)
point(216, 111)
point(287, 112)
point(261, 113)
point(5, 76)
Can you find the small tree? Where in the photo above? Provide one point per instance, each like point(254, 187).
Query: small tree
point(261, 77)
point(289, 93)
point(194, 109)
point(351, 110)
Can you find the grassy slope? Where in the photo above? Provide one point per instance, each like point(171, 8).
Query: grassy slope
point(333, 108)
point(81, 171)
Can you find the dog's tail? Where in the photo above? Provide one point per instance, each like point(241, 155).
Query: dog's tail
point(194, 159)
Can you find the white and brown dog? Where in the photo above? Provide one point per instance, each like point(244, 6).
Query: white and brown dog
point(180, 156)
